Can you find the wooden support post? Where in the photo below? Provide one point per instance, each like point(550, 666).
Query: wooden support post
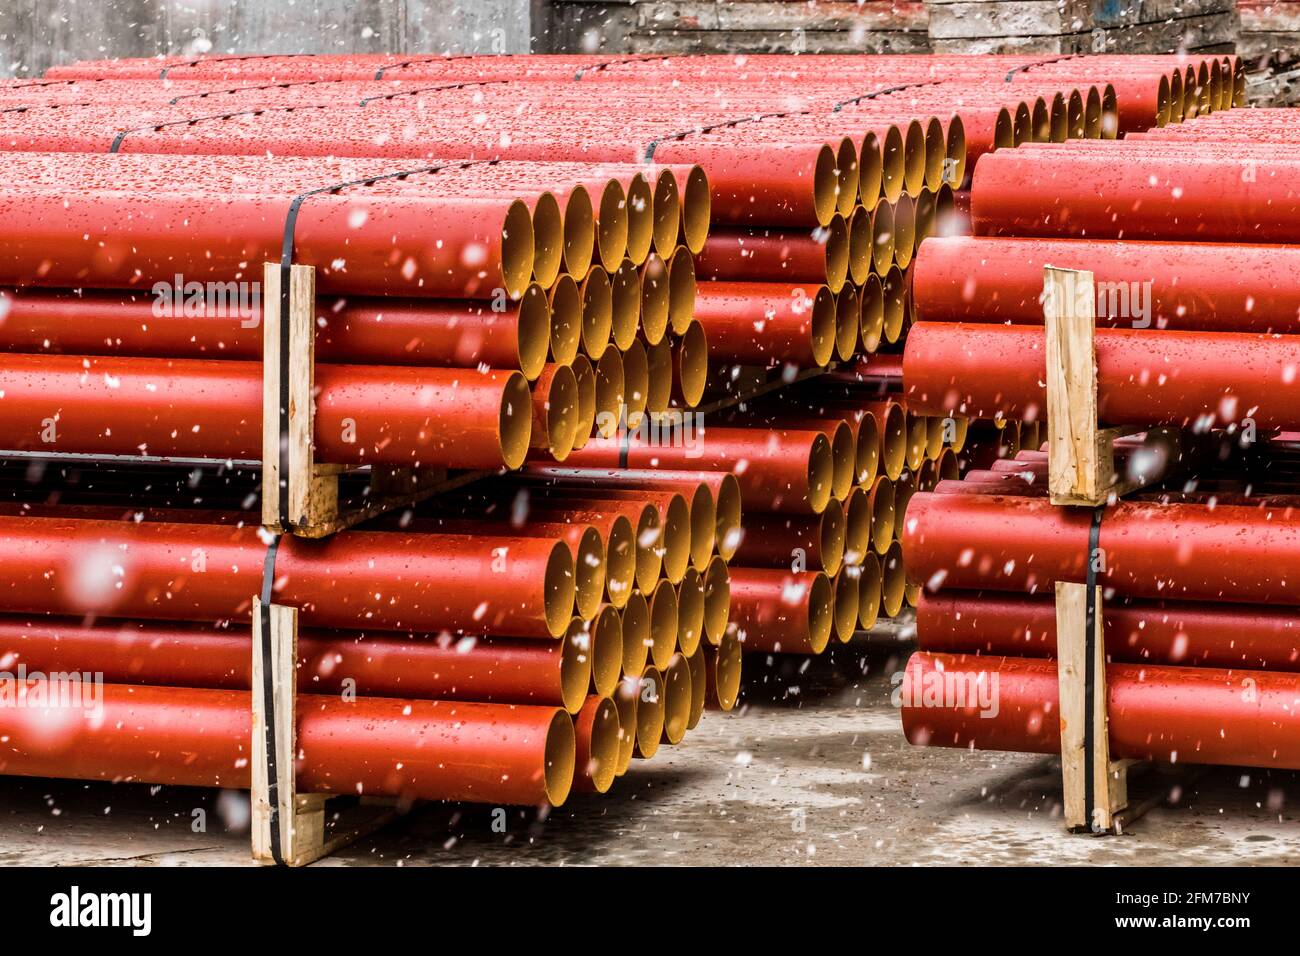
point(312, 489)
point(1081, 472)
point(283, 640)
point(1110, 777)
point(315, 509)
point(1081, 455)
point(306, 833)
point(1081, 460)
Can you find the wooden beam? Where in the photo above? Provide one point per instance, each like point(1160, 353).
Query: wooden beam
point(1110, 778)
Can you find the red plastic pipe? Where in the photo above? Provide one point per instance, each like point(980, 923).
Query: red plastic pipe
point(429, 332)
point(435, 750)
point(426, 666)
point(194, 408)
point(1144, 377)
point(778, 611)
point(1252, 636)
point(519, 587)
point(771, 255)
point(1169, 714)
point(767, 323)
point(1161, 551)
point(1112, 192)
point(395, 244)
point(1190, 286)
point(777, 470)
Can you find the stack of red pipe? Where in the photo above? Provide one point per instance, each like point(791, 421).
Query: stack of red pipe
point(453, 320)
point(1197, 327)
point(506, 229)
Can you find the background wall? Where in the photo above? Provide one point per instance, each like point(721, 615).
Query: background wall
point(37, 33)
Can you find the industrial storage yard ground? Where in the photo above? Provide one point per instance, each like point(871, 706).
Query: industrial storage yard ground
point(812, 771)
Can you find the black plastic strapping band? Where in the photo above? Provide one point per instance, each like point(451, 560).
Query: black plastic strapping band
point(884, 92)
point(268, 700)
point(606, 64)
point(649, 155)
point(624, 443)
point(247, 89)
point(35, 84)
point(1090, 669)
point(1026, 67)
point(282, 302)
point(234, 58)
point(379, 73)
point(155, 127)
point(463, 84)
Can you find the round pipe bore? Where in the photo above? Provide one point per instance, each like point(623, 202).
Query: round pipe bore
point(846, 161)
point(723, 671)
point(699, 686)
point(655, 300)
point(696, 210)
point(667, 214)
point(677, 698)
point(845, 586)
point(597, 735)
point(717, 600)
point(650, 711)
point(556, 412)
point(636, 634)
point(625, 304)
point(664, 624)
point(870, 169)
point(640, 219)
point(690, 612)
point(870, 583)
point(578, 234)
point(611, 232)
point(605, 644)
point(597, 311)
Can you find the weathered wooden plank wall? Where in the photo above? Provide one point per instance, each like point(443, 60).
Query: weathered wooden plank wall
point(35, 34)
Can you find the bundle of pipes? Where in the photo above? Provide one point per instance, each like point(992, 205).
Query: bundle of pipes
point(439, 275)
point(1197, 587)
point(441, 331)
point(550, 642)
point(550, 261)
point(872, 147)
point(1192, 255)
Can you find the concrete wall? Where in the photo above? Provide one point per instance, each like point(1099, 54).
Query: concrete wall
point(35, 34)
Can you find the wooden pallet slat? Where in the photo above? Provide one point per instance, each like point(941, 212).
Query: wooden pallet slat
point(1081, 473)
point(316, 507)
point(304, 818)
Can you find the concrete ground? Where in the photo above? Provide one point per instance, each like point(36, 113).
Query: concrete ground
point(812, 769)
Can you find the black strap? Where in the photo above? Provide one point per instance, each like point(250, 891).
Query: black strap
point(268, 700)
point(624, 443)
point(38, 83)
point(649, 155)
point(247, 89)
point(1090, 669)
point(234, 58)
point(606, 64)
point(463, 84)
point(363, 102)
point(1026, 67)
point(155, 127)
point(379, 73)
point(43, 106)
point(885, 92)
